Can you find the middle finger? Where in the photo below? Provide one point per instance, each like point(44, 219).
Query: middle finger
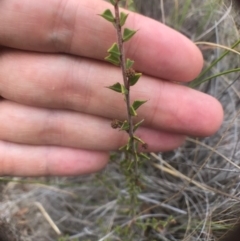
point(74, 83)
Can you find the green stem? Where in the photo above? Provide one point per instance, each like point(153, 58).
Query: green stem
point(215, 76)
point(198, 81)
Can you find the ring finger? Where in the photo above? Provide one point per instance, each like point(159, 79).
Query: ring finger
point(45, 127)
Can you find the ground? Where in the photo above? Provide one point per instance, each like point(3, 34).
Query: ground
point(188, 194)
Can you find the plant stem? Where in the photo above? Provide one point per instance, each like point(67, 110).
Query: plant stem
point(125, 80)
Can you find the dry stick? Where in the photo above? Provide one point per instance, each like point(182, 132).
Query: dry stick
point(48, 218)
point(174, 172)
point(192, 178)
point(206, 160)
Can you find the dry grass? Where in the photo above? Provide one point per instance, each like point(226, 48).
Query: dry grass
point(191, 193)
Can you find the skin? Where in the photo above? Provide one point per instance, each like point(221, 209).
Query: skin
point(55, 112)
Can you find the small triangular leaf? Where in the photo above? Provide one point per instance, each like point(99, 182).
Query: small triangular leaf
point(127, 146)
point(123, 90)
point(116, 87)
point(138, 103)
point(130, 2)
point(107, 14)
point(133, 80)
point(124, 148)
point(131, 5)
point(113, 59)
point(143, 155)
point(123, 18)
point(132, 111)
point(114, 50)
point(137, 125)
point(127, 34)
point(129, 63)
point(138, 139)
point(112, 2)
point(125, 126)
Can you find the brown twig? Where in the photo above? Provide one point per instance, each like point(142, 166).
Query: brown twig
point(125, 80)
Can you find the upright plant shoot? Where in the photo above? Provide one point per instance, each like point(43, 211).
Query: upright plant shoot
point(116, 56)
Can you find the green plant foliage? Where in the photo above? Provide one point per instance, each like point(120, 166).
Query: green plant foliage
point(144, 155)
point(130, 165)
point(113, 2)
point(138, 139)
point(126, 147)
point(131, 5)
point(193, 84)
point(138, 103)
point(118, 88)
point(123, 18)
point(132, 111)
point(114, 50)
point(125, 126)
point(107, 14)
point(200, 79)
point(113, 59)
point(129, 63)
point(137, 125)
point(128, 34)
point(133, 80)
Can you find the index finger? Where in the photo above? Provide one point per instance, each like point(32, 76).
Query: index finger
point(73, 26)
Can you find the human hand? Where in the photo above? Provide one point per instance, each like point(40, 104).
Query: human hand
point(55, 115)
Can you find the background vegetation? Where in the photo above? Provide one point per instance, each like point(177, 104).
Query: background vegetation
point(189, 194)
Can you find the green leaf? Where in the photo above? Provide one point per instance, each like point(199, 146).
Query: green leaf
point(130, 2)
point(113, 59)
point(125, 126)
point(123, 18)
point(127, 34)
point(129, 63)
point(107, 14)
point(114, 50)
point(137, 125)
point(133, 80)
point(126, 147)
point(131, 6)
point(113, 2)
point(138, 103)
point(138, 139)
point(143, 155)
point(118, 88)
point(132, 111)
point(123, 90)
